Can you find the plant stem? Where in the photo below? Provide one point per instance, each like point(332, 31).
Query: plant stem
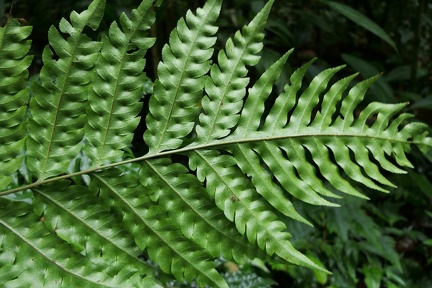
point(213, 145)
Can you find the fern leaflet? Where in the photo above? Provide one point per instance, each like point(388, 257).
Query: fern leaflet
point(117, 86)
point(56, 125)
point(13, 96)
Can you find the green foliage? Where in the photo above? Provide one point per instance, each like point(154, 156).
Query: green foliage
point(14, 47)
point(118, 87)
point(315, 29)
point(56, 124)
point(226, 160)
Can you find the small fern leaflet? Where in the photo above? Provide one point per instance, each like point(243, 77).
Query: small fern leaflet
point(13, 96)
point(56, 126)
point(117, 86)
point(178, 91)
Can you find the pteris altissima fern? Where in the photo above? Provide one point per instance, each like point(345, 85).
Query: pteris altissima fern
point(245, 152)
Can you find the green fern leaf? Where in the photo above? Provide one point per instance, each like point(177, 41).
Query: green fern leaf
point(284, 145)
point(117, 86)
point(99, 235)
point(178, 91)
point(193, 212)
point(153, 230)
point(32, 256)
point(226, 86)
point(226, 90)
point(235, 195)
point(56, 125)
point(278, 115)
point(14, 65)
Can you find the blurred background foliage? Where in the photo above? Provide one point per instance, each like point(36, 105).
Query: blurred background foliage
point(384, 242)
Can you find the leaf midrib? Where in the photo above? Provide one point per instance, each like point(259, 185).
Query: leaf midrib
point(124, 54)
point(59, 102)
point(213, 145)
point(183, 71)
point(225, 94)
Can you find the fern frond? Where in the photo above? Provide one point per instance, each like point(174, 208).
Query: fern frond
point(193, 212)
point(30, 255)
point(95, 233)
point(291, 134)
point(117, 86)
point(226, 86)
point(254, 104)
point(223, 165)
point(152, 229)
point(226, 89)
point(56, 125)
point(178, 91)
point(14, 63)
point(284, 144)
point(236, 196)
point(284, 170)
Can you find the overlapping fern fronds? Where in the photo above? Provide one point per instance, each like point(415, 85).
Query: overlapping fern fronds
point(245, 152)
point(14, 47)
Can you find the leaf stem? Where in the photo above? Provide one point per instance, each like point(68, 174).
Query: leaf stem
point(213, 145)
